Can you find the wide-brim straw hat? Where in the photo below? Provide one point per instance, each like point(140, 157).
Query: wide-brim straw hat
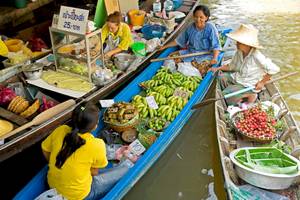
point(246, 34)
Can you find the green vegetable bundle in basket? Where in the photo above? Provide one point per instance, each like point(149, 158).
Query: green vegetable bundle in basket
point(121, 117)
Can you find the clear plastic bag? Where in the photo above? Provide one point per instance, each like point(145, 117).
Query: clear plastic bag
point(188, 69)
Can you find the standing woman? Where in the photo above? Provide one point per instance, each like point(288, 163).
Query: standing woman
point(75, 156)
point(199, 36)
point(116, 35)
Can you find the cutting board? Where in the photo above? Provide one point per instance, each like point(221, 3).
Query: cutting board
point(111, 6)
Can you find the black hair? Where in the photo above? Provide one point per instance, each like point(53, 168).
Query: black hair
point(84, 119)
point(204, 9)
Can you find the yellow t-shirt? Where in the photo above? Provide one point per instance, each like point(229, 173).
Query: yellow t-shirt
point(123, 33)
point(74, 179)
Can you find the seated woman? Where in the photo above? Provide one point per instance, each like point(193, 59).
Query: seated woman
point(116, 35)
point(75, 156)
point(199, 36)
point(248, 67)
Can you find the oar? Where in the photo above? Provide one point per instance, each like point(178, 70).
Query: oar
point(181, 56)
point(42, 117)
point(212, 100)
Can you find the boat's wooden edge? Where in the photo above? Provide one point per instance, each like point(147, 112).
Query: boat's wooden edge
point(226, 145)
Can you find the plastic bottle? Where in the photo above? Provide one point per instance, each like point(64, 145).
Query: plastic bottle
point(168, 5)
point(157, 6)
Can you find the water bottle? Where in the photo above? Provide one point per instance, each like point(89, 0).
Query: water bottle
point(168, 5)
point(157, 6)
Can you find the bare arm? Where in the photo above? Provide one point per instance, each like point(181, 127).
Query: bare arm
point(170, 44)
point(46, 155)
point(260, 84)
point(113, 52)
point(215, 57)
point(94, 171)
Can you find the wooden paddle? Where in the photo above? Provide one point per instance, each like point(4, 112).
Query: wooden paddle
point(42, 117)
point(181, 56)
point(212, 100)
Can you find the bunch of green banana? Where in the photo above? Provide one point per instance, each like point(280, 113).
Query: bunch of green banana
point(163, 69)
point(167, 112)
point(179, 76)
point(151, 83)
point(157, 124)
point(165, 90)
point(190, 85)
point(196, 79)
point(159, 98)
point(177, 102)
point(138, 99)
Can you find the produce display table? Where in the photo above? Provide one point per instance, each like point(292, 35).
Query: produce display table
point(10, 14)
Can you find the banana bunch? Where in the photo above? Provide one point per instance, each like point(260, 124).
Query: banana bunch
point(157, 124)
point(190, 85)
point(196, 79)
point(179, 76)
point(177, 102)
point(143, 107)
point(159, 98)
point(167, 112)
point(151, 83)
point(163, 69)
point(165, 90)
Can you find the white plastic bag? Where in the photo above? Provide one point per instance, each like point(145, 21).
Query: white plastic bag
point(51, 194)
point(171, 65)
point(152, 44)
point(188, 69)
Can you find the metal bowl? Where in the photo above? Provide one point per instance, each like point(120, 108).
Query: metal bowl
point(263, 179)
point(33, 71)
point(123, 60)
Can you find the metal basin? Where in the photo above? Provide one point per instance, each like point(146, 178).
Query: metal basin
point(123, 60)
point(262, 179)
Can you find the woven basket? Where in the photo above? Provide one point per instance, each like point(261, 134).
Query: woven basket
point(124, 127)
point(246, 136)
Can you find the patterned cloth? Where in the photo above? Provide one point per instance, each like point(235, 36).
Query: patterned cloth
point(197, 40)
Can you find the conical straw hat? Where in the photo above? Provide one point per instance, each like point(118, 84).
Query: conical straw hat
point(246, 34)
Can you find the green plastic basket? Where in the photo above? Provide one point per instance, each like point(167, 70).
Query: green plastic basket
point(139, 48)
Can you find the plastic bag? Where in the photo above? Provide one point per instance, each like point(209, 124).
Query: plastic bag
point(152, 44)
point(188, 69)
point(171, 65)
point(51, 194)
point(249, 192)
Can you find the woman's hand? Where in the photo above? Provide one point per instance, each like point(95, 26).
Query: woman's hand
point(259, 85)
point(213, 61)
point(108, 55)
point(214, 69)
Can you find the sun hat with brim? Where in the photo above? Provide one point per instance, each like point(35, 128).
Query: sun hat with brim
point(246, 34)
point(3, 49)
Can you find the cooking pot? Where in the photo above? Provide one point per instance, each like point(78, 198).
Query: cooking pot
point(33, 71)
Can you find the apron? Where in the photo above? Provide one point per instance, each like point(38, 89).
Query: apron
point(111, 43)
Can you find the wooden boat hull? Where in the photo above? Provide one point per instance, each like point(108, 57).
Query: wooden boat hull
point(226, 142)
point(26, 139)
point(37, 184)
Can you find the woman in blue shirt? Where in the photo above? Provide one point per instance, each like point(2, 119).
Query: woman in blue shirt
point(199, 36)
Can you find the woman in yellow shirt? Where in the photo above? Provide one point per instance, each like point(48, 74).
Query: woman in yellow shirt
point(116, 35)
point(75, 156)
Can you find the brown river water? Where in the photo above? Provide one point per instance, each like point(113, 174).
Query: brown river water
point(190, 169)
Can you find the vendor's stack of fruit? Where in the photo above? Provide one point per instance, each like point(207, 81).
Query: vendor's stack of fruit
point(120, 113)
point(162, 87)
point(256, 123)
point(19, 105)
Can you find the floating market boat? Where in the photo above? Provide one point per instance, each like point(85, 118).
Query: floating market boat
point(24, 139)
point(154, 78)
point(263, 166)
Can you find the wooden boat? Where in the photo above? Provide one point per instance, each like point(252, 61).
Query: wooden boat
point(25, 139)
point(38, 184)
point(227, 142)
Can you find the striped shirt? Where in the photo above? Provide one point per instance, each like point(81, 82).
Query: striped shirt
point(252, 68)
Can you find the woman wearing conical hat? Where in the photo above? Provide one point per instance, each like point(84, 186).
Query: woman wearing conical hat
point(248, 67)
